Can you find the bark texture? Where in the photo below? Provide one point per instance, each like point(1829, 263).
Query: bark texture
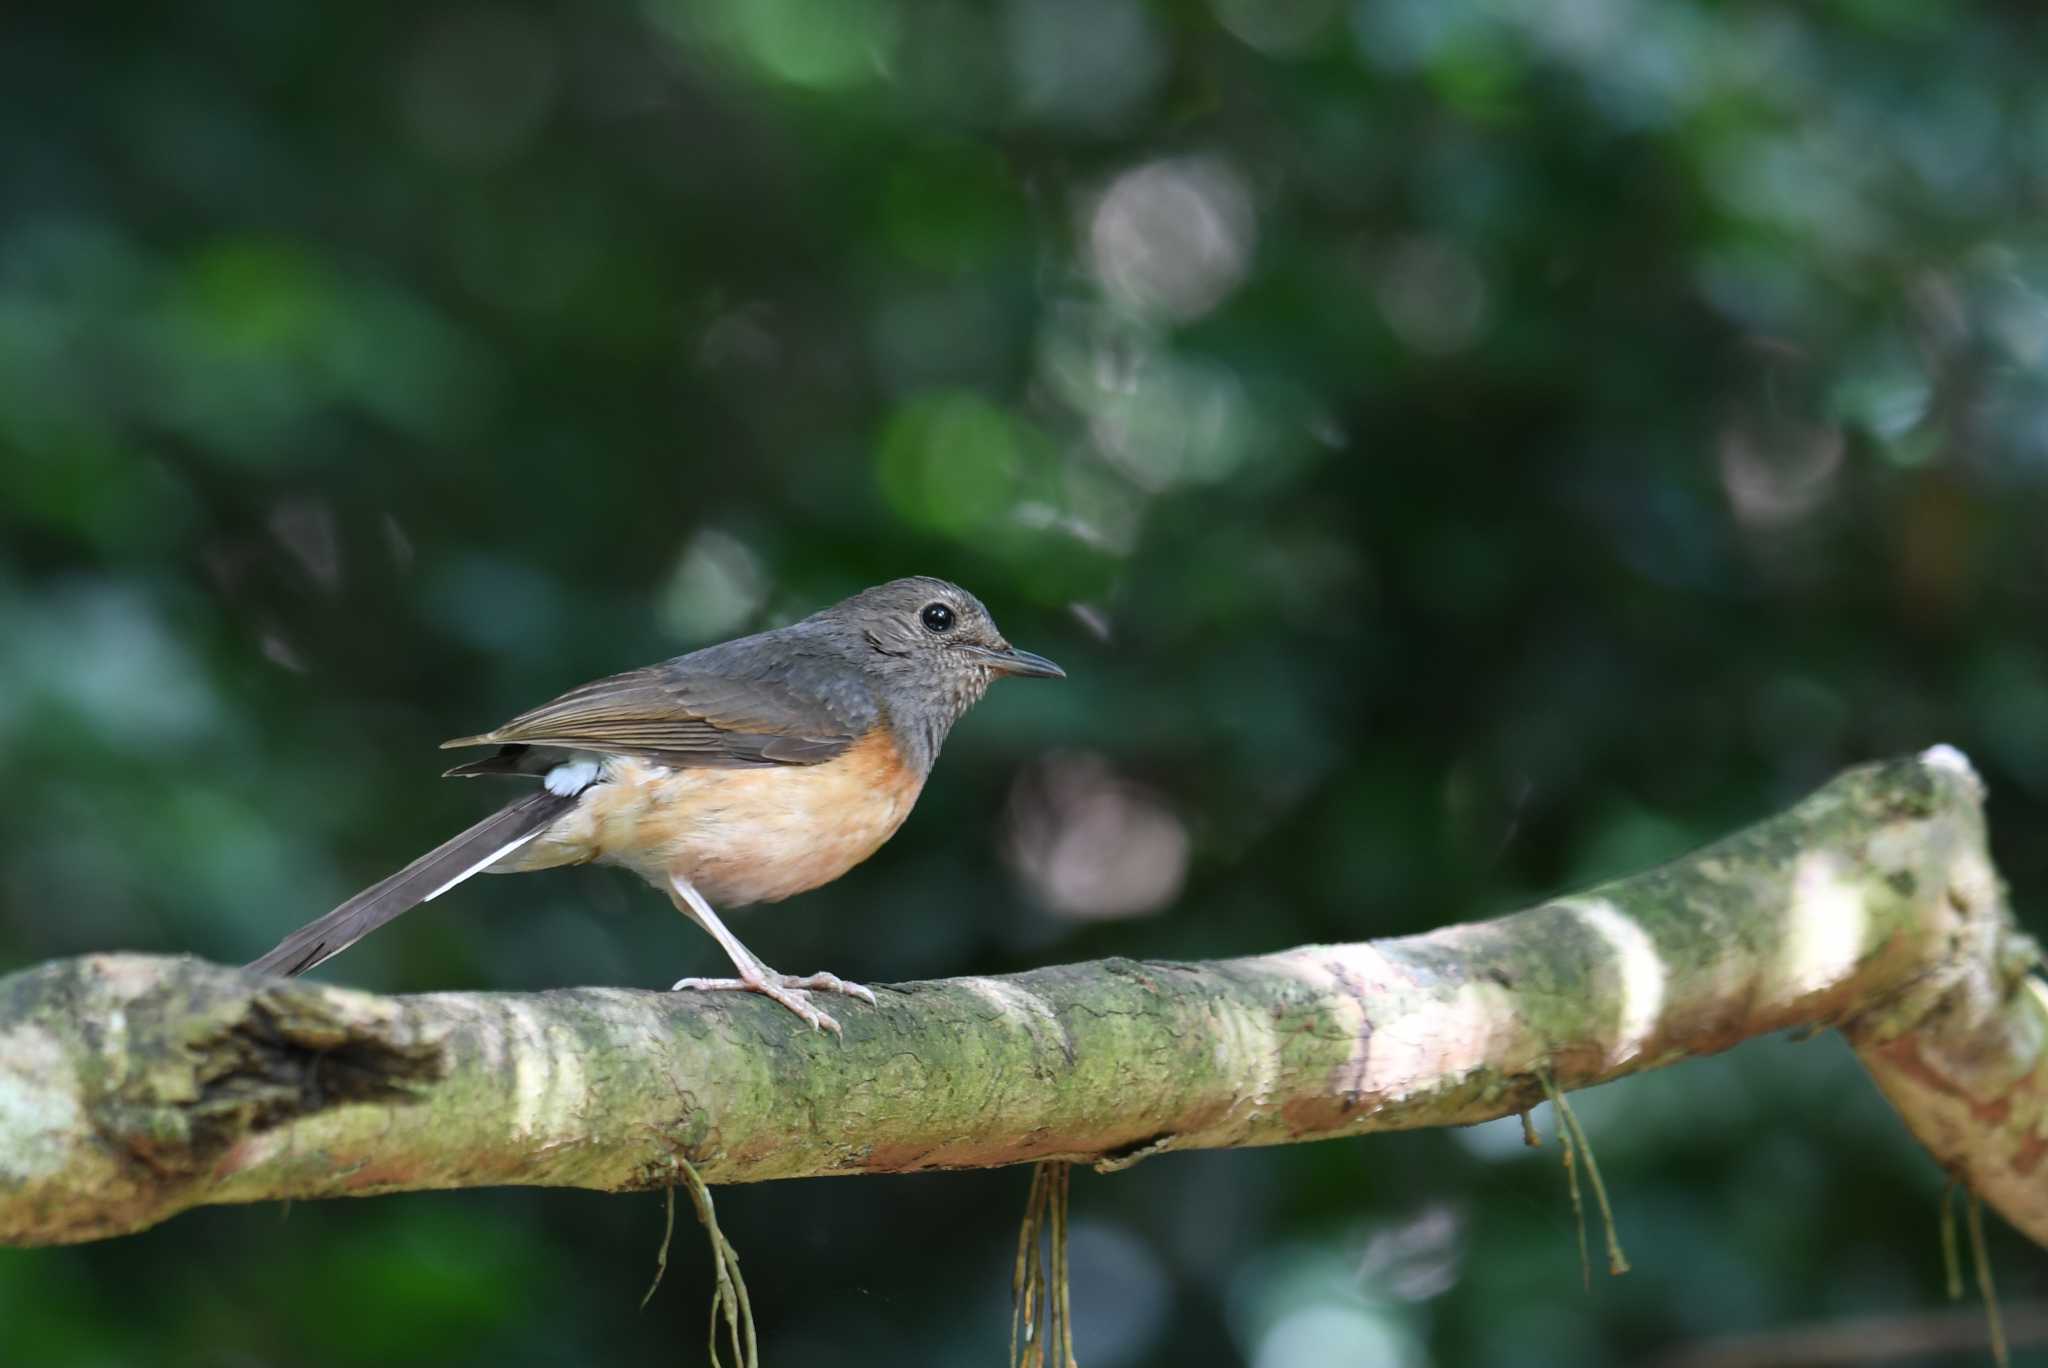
point(134, 1087)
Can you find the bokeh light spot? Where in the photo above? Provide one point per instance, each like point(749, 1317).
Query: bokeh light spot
point(1170, 239)
point(717, 586)
point(1432, 295)
point(1178, 422)
point(1082, 63)
point(1090, 844)
point(1279, 28)
point(1778, 472)
point(952, 461)
point(815, 44)
point(255, 296)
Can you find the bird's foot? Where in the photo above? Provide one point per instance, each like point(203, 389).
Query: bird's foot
point(828, 983)
point(791, 990)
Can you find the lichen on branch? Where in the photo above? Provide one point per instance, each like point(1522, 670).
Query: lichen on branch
point(134, 1087)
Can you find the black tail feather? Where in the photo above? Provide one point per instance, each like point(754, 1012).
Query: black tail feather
point(509, 760)
point(439, 869)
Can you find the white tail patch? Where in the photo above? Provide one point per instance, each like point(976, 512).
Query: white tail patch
point(485, 863)
point(570, 778)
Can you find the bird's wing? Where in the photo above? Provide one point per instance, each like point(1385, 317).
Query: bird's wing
point(696, 715)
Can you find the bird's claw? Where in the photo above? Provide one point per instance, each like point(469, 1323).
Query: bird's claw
point(830, 983)
point(790, 990)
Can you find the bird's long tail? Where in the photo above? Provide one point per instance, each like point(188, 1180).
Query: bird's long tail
point(426, 878)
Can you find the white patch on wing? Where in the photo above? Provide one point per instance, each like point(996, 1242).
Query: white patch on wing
point(571, 777)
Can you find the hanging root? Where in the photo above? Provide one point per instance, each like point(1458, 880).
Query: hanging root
point(1041, 1317)
point(1571, 1136)
point(1571, 1182)
point(1981, 1256)
point(729, 1297)
point(661, 1255)
point(1950, 1264)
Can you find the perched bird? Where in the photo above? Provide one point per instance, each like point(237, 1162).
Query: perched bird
point(741, 773)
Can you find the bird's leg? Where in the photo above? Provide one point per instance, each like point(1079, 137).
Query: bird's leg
point(756, 977)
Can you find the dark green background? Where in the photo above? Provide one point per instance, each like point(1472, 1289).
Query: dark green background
point(1507, 443)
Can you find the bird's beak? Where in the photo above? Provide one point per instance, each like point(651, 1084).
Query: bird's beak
point(1011, 661)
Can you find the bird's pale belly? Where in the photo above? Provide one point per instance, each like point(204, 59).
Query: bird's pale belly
point(740, 835)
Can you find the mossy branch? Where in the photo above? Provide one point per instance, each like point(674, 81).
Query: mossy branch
point(134, 1087)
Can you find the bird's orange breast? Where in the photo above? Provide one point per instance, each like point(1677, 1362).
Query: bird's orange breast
point(740, 835)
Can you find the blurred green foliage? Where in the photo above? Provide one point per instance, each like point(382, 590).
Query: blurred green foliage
point(1459, 449)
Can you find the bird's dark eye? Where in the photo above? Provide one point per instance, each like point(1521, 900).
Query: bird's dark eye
point(937, 617)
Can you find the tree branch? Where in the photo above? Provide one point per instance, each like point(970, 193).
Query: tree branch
point(134, 1087)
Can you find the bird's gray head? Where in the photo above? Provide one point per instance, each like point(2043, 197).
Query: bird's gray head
point(932, 648)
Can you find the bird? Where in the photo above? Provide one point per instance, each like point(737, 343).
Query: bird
point(745, 772)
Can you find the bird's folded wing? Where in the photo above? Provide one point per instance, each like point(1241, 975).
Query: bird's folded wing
point(689, 717)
